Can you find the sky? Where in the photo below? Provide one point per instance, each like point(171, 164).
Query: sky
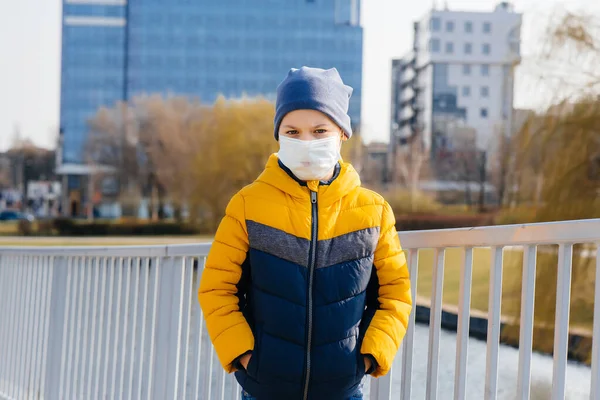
point(30, 33)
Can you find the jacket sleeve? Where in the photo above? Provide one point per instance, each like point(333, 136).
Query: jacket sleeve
point(388, 325)
point(227, 327)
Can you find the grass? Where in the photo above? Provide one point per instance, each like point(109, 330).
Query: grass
point(9, 228)
point(452, 276)
point(581, 316)
point(101, 241)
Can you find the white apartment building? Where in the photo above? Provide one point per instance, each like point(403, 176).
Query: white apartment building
point(458, 79)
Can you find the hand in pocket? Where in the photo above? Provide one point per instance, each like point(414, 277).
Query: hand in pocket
point(367, 364)
point(245, 360)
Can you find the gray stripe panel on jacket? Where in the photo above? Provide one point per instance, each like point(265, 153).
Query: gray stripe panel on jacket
point(348, 247)
point(278, 243)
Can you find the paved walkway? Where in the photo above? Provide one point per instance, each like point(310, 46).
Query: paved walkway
point(578, 376)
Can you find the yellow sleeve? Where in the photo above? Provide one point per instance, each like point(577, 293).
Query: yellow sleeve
point(227, 327)
point(387, 328)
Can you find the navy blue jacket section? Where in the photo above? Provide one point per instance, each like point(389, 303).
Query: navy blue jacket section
point(274, 297)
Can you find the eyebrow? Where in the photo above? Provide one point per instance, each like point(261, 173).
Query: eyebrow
point(316, 126)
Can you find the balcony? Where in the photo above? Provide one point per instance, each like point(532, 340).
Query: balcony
point(406, 113)
point(408, 75)
point(407, 94)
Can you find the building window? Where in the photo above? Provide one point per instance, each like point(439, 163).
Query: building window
point(485, 91)
point(483, 112)
point(485, 70)
point(487, 27)
point(468, 27)
point(436, 24)
point(485, 48)
point(468, 48)
point(449, 47)
point(515, 47)
point(434, 45)
point(466, 69)
point(449, 26)
point(466, 91)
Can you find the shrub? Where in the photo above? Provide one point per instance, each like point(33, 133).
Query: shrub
point(66, 227)
point(402, 202)
point(45, 227)
point(9, 228)
point(25, 228)
point(435, 221)
point(517, 215)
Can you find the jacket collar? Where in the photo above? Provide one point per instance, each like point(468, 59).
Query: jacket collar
point(345, 179)
point(336, 173)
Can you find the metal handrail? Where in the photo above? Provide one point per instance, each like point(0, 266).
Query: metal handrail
point(124, 322)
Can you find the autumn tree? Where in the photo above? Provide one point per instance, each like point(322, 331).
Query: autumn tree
point(148, 141)
point(559, 152)
point(236, 138)
point(182, 151)
point(169, 139)
point(354, 151)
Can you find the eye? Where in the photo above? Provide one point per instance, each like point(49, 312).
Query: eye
point(321, 131)
point(292, 132)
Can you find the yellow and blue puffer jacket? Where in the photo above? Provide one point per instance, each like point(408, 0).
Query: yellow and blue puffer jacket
point(310, 278)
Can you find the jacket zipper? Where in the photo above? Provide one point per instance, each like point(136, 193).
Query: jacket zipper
point(311, 271)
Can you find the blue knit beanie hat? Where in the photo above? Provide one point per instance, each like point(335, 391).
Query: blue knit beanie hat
point(314, 89)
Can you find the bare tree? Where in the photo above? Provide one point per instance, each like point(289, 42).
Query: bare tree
point(147, 141)
point(408, 164)
point(181, 151)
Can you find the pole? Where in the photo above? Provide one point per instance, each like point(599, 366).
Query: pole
point(482, 179)
point(20, 172)
point(65, 196)
point(90, 196)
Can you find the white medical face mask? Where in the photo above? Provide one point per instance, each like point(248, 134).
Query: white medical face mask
point(309, 160)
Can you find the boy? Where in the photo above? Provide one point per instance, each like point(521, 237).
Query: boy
point(306, 289)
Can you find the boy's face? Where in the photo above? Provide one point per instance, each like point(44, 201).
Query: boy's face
point(309, 125)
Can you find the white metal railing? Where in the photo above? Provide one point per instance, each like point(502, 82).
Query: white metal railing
point(124, 322)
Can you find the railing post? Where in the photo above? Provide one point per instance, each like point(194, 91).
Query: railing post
point(526, 324)
point(374, 392)
point(6, 283)
point(381, 388)
point(408, 343)
point(561, 326)
point(462, 337)
point(170, 276)
point(494, 324)
point(435, 325)
point(595, 381)
point(57, 297)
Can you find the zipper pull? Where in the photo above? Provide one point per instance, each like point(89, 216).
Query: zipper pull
point(313, 197)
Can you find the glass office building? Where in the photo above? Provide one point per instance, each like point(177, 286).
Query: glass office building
point(115, 49)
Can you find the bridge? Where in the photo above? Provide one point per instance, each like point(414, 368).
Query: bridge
point(124, 322)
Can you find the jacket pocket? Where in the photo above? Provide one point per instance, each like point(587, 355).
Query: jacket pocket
point(360, 365)
point(252, 369)
point(360, 359)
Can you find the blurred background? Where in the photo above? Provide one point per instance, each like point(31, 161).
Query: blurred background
point(135, 121)
point(146, 116)
point(468, 112)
